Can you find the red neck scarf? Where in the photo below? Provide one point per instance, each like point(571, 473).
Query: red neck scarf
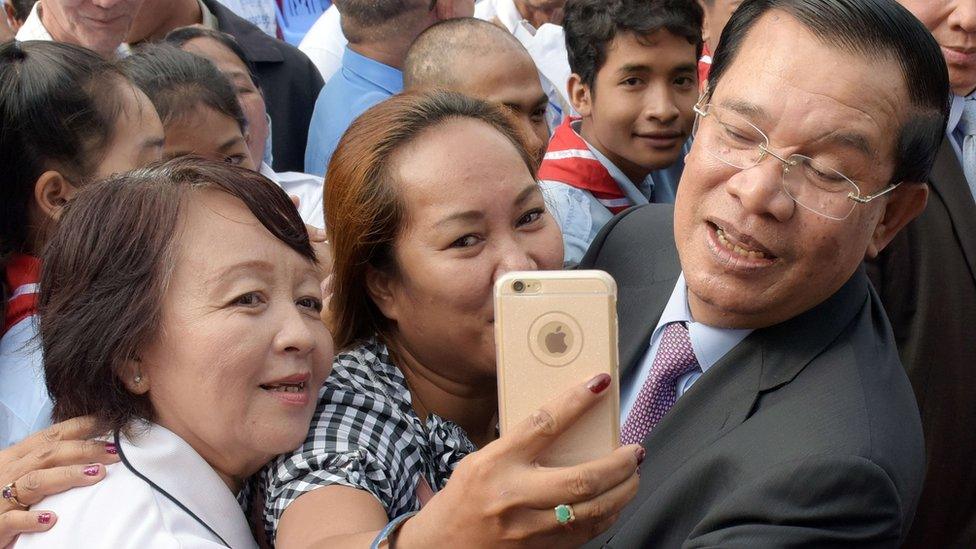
point(22, 276)
point(569, 160)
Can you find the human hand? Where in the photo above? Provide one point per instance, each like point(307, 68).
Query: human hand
point(500, 496)
point(49, 462)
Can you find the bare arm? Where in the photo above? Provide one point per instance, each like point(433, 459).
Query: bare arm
point(353, 518)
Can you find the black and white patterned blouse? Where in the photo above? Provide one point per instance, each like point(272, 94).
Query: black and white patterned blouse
point(365, 434)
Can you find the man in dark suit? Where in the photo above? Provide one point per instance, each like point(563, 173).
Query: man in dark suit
point(757, 366)
point(926, 279)
point(290, 82)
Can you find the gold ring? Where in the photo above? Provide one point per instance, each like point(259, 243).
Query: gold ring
point(9, 493)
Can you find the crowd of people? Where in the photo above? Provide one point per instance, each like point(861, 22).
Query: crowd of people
point(247, 288)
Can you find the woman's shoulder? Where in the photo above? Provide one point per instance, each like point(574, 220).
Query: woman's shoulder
point(119, 511)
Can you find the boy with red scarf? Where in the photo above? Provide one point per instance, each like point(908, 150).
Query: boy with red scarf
point(634, 84)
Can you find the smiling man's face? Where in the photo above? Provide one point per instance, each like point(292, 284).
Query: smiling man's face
point(801, 93)
point(100, 26)
point(953, 23)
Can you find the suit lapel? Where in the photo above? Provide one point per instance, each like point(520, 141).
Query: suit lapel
point(725, 396)
point(640, 304)
point(949, 182)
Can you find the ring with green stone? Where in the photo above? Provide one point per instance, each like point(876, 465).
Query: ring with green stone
point(564, 513)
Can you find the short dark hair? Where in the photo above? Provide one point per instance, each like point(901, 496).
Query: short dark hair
point(433, 58)
point(368, 19)
point(22, 8)
point(180, 36)
point(58, 107)
point(591, 25)
point(176, 81)
point(105, 273)
point(872, 28)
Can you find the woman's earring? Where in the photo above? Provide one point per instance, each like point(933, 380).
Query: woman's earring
point(137, 379)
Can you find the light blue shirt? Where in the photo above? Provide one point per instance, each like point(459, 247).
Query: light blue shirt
point(581, 216)
point(359, 84)
point(25, 406)
point(710, 344)
point(956, 137)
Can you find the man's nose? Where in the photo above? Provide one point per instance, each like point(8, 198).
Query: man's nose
point(660, 105)
point(760, 190)
point(963, 16)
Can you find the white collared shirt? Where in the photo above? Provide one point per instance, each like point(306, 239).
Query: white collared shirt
point(710, 344)
point(125, 511)
point(308, 188)
point(34, 29)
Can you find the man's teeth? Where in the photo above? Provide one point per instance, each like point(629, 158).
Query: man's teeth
point(753, 254)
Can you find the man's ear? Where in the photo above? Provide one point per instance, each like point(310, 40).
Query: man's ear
point(905, 204)
point(382, 289)
point(52, 191)
point(580, 95)
point(706, 30)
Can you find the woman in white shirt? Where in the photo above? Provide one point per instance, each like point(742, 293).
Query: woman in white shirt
point(185, 318)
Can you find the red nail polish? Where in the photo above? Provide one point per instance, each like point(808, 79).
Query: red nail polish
point(599, 383)
point(110, 448)
point(641, 454)
point(92, 470)
point(44, 518)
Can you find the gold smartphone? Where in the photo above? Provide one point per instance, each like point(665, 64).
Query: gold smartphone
point(554, 330)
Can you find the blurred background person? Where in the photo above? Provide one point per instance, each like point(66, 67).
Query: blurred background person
point(290, 81)
point(15, 13)
point(635, 85)
point(380, 33)
point(927, 281)
point(202, 115)
point(717, 14)
point(443, 57)
point(197, 285)
point(69, 118)
point(97, 25)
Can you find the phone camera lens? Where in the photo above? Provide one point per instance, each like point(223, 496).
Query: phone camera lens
point(518, 285)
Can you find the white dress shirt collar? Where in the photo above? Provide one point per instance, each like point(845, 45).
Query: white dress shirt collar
point(168, 461)
point(709, 343)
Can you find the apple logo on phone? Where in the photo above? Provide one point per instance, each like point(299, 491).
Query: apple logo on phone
point(556, 340)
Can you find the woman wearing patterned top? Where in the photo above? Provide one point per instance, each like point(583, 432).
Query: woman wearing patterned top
point(429, 198)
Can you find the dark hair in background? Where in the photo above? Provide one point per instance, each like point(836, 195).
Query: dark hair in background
point(363, 212)
point(179, 37)
point(22, 8)
point(104, 276)
point(874, 29)
point(177, 81)
point(58, 107)
point(591, 25)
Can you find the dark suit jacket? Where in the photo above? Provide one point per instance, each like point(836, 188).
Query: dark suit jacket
point(927, 281)
point(291, 84)
point(805, 434)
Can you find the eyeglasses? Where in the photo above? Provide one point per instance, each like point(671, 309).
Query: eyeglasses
point(731, 139)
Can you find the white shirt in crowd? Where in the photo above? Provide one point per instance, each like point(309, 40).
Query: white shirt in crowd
point(260, 13)
point(308, 189)
point(138, 503)
point(324, 43)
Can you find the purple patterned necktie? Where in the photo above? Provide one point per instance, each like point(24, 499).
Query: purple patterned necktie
point(674, 359)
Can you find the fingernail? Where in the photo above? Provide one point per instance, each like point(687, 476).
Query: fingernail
point(44, 518)
point(92, 470)
point(110, 448)
point(641, 454)
point(598, 384)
